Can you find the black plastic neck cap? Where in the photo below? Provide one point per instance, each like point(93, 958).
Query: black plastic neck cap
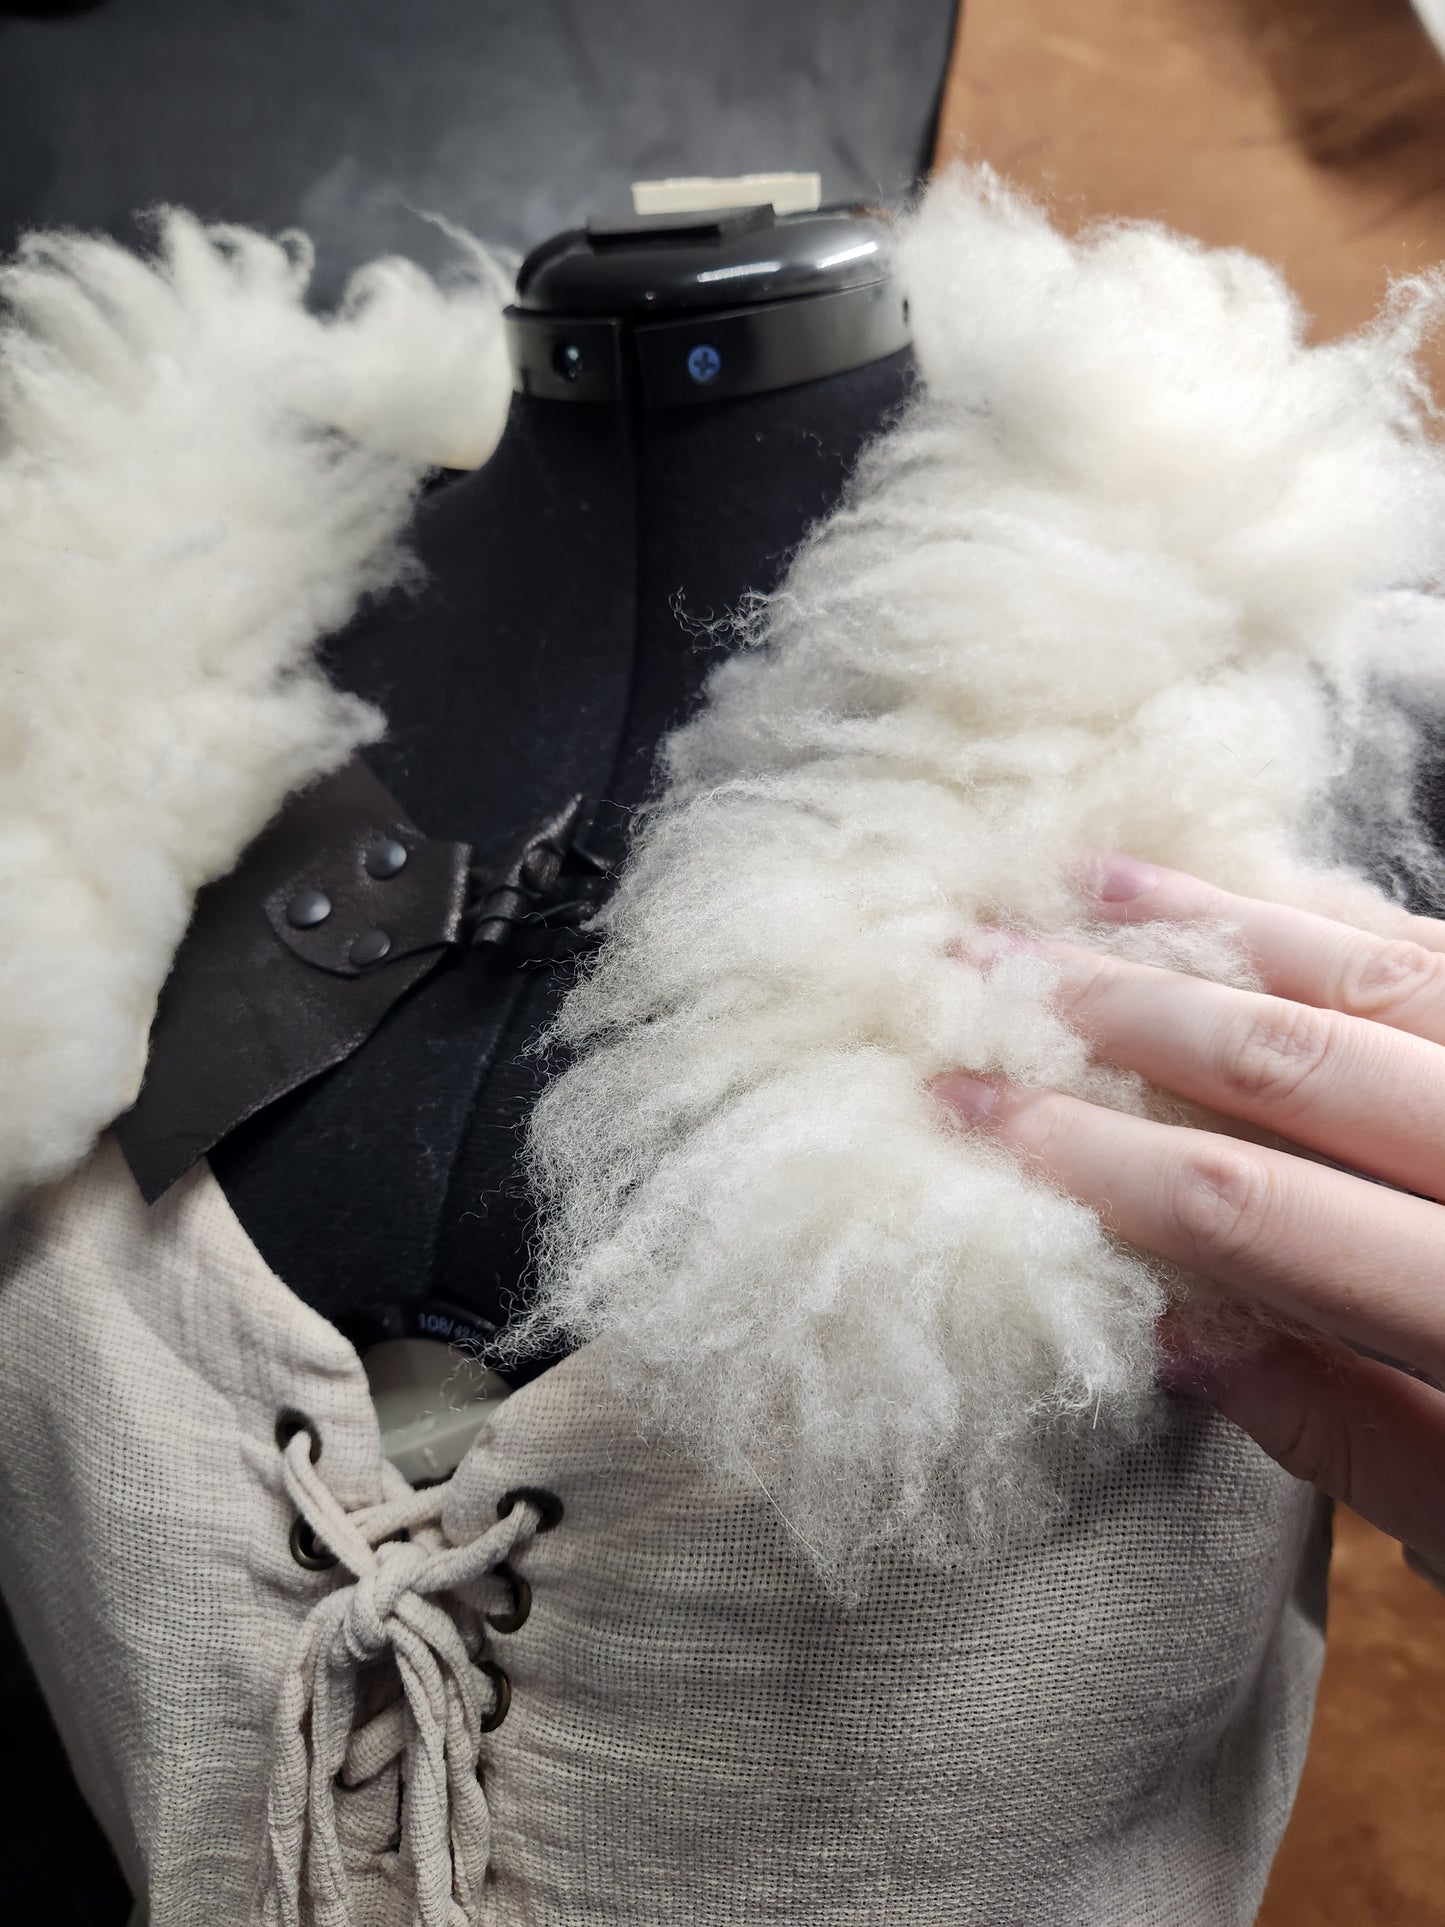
point(683, 263)
point(687, 309)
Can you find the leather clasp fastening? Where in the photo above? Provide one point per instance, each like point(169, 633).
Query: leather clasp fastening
point(387, 892)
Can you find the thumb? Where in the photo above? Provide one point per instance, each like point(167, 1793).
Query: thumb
point(1361, 1431)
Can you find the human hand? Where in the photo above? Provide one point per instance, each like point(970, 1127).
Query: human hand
point(1342, 1054)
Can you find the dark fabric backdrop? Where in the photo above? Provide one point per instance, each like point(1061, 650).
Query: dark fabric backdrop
point(512, 117)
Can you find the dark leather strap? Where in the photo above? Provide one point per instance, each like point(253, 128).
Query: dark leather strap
point(335, 912)
point(291, 962)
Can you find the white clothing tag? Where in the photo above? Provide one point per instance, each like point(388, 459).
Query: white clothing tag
point(431, 1402)
point(784, 193)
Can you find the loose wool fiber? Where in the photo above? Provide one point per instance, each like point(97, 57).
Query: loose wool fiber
point(1134, 571)
point(198, 480)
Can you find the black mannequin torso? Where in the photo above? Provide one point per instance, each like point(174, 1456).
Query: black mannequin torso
point(553, 646)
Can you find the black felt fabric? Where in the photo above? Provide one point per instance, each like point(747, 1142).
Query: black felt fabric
point(60, 1871)
point(514, 119)
point(560, 635)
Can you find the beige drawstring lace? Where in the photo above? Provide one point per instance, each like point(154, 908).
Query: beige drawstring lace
point(434, 1727)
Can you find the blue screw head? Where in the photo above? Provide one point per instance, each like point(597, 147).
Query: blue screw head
point(704, 363)
point(567, 361)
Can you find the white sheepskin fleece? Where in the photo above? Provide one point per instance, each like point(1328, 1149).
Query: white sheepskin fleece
point(1127, 575)
point(198, 480)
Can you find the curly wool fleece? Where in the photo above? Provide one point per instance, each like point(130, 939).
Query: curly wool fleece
point(199, 479)
point(1125, 575)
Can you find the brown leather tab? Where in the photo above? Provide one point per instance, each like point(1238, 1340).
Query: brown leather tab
point(260, 1001)
point(383, 893)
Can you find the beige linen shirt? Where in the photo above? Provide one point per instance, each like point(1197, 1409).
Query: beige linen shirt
point(1102, 1726)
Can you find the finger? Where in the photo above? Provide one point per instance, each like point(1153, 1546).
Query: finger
point(1370, 1437)
point(1351, 1258)
point(1396, 979)
point(1372, 1098)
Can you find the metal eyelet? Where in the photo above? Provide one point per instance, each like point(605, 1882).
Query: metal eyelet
point(547, 1503)
point(502, 1687)
point(309, 1551)
point(515, 1617)
point(289, 1423)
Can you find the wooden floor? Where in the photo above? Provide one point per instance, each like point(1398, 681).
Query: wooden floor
point(1366, 1845)
point(1313, 132)
point(1310, 131)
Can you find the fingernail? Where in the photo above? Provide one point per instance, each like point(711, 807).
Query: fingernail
point(1122, 878)
point(973, 1099)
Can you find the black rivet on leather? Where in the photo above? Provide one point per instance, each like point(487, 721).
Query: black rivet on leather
point(371, 947)
point(384, 858)
point(308, 908)
point(289, 1422)
point(515, 1617)
point(547, 1503)
point(502, 1687)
